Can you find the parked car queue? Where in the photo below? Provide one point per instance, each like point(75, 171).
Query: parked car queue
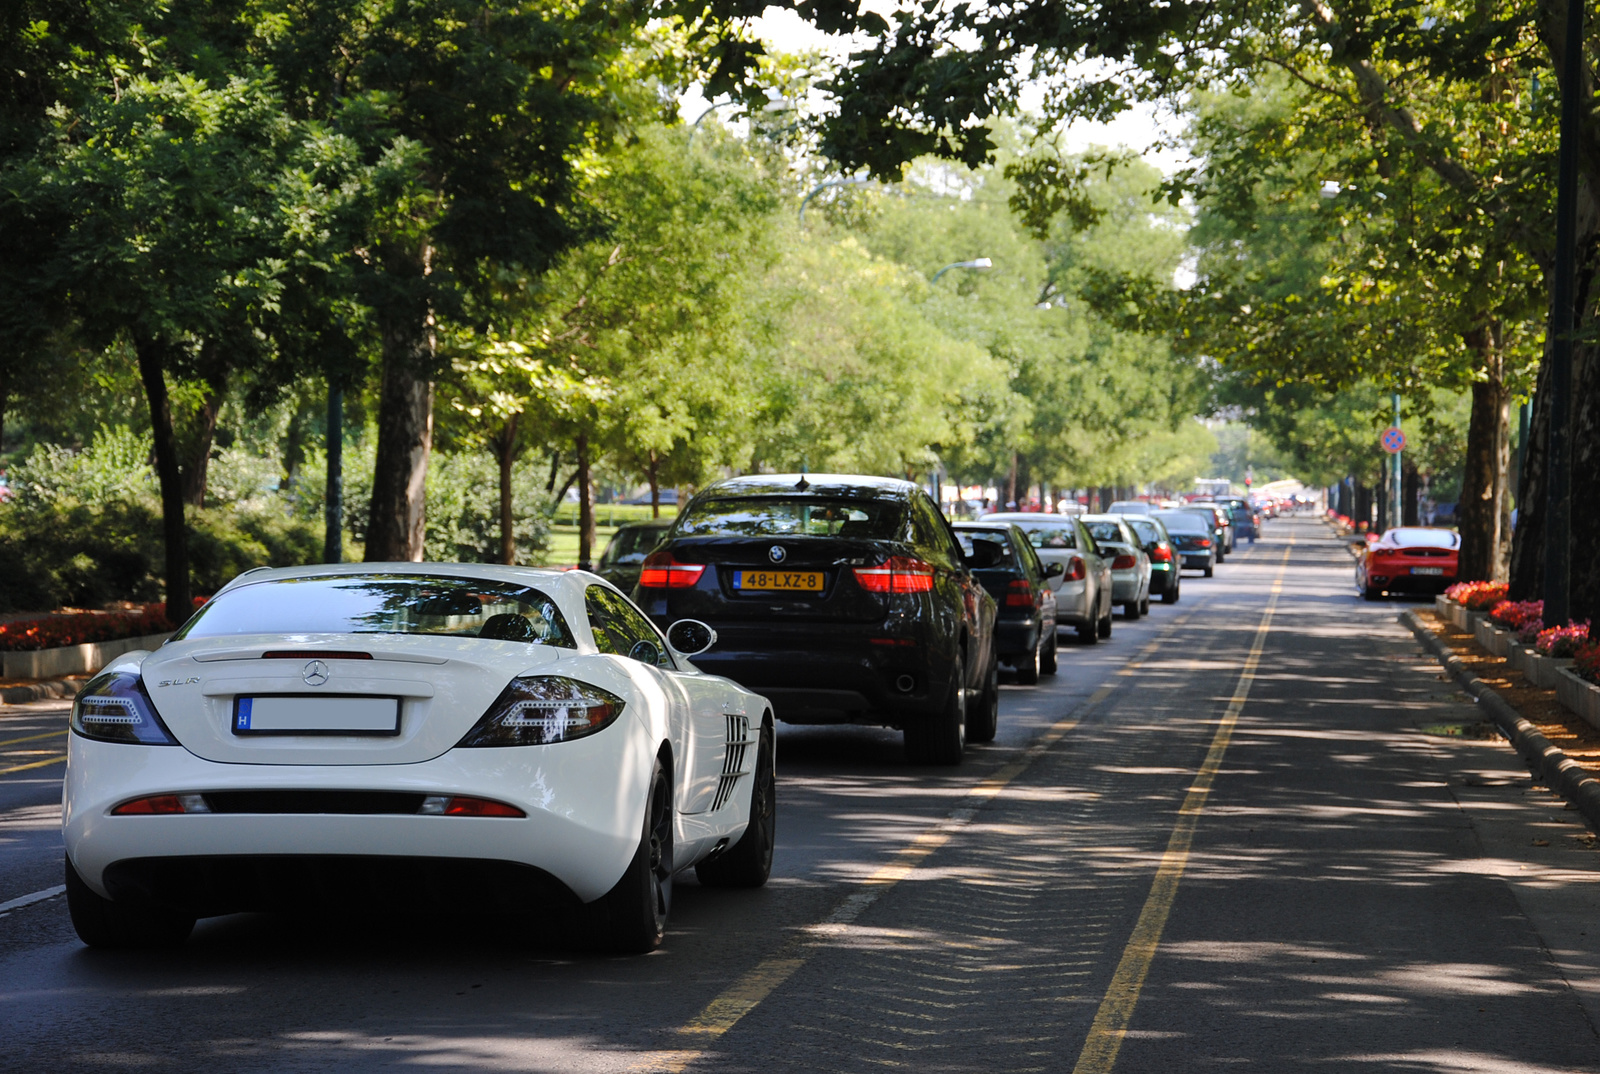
point(846, 599)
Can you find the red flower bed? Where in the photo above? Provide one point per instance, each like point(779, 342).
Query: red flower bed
point(56, 631)
point(1512, 614)
point(1562, 641)
point(1586, 662)
point(1478, 596)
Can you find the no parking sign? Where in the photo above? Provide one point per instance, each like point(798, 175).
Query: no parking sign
point(1393, 440)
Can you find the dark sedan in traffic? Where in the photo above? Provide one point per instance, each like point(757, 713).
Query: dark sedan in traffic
point(842, 599)
point(1025, 623)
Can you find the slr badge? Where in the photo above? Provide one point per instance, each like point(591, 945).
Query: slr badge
point(315, 673)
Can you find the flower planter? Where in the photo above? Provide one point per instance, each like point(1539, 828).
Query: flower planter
point(1541, 670)
point(1441, 607)
point(1517, 655)
point(72, 659)
point(1579, 695)
point(1492, 637)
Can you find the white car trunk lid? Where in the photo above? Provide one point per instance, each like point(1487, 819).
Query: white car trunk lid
point(443, 686)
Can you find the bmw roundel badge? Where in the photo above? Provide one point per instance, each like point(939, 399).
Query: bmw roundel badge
point(777, 553)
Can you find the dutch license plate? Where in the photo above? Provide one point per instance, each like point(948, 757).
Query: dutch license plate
point(793, 581)
point(1427, 570)
point(299, 714)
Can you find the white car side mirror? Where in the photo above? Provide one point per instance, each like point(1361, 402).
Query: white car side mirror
point(690, 637)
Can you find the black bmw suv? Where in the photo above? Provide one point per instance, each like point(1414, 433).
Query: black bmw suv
point(842, 599)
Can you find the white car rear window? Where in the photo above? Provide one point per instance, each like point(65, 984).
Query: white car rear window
point(384, 604)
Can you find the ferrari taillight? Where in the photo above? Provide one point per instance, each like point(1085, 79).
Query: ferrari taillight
point(661, 571)
point(900, 574)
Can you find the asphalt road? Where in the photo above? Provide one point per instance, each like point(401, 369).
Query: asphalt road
point(1232, 836)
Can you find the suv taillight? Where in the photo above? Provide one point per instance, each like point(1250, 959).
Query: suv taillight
point(661, 571)
point(901, 574)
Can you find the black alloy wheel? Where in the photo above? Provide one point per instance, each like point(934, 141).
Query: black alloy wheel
point(1047, 665)
point(632, 917)
point(1171, 595)
point(1144, 604)
point(1130, 610)
point(748, 863)
point(1211, 568)
point(985, 721)
point(1028, 666)
point(940, 736)
point(1089, 631)
point(1103, 628)
point(102, 922)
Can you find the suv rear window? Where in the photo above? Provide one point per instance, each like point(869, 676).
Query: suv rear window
point(793, 516)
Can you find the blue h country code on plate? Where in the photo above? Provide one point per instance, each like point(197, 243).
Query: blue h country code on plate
point(298, 714)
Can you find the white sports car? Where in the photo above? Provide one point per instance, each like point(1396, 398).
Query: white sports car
point(511, 737)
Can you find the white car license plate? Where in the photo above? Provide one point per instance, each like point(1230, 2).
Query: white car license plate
point(299, 714)
point(1427, 570)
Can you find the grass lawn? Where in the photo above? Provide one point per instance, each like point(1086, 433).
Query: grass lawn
point(564, 529)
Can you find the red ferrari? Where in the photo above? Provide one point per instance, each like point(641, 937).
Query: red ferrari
point(1409, 559)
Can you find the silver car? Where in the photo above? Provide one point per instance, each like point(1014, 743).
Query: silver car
point(1083, 589)
point(1130, 563)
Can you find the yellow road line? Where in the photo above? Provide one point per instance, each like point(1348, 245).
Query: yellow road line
point(747, 993)
point(36, 764)
point(31, 738)
point(1111, 1021)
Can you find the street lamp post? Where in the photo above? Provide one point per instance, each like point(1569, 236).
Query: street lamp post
point(975, 263)
point(854, 180)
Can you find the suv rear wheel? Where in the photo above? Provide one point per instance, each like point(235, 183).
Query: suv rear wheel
point(940, 737)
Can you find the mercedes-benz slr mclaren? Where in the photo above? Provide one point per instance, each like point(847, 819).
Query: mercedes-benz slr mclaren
point(525, 740)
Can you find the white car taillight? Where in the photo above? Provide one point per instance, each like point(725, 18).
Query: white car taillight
point(540, 709)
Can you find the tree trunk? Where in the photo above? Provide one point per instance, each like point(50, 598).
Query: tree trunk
point(1362, 517)
point(655, 485)
point(1384, 511)
point(505, 454)
point(405, 437)
point(1527, 544)
point(202, 432)
point(174, 529)
point(555, 462)
point(1011, 485)
point(1584, 590)
point(333, 499)
point(1481, 513)
point(585, 506)
point(1411, 487)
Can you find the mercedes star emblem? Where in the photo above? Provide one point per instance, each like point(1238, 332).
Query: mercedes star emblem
point(776, 553)
point(315, 674)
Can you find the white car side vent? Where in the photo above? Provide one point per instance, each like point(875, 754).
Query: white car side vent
point(739, 741)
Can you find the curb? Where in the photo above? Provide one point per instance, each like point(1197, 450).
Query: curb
point(47, 690)
point(1547, 763)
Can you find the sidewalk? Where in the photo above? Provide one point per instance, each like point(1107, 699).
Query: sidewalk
point(22, 691)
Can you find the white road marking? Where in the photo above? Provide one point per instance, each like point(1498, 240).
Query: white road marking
point(28, 900)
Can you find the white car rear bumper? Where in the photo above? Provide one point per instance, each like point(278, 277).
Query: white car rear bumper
point(584, 800)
